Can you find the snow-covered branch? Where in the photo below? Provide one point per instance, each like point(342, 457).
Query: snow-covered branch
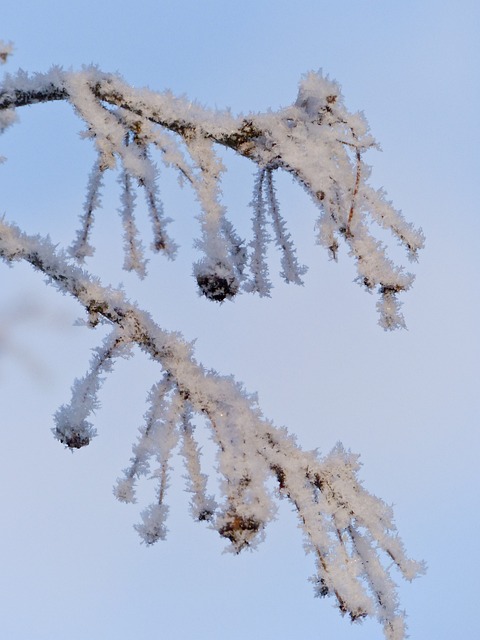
point(321, 145)
point(349, 531)
point(316, 140)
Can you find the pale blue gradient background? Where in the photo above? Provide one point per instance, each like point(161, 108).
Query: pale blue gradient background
point(71, 566)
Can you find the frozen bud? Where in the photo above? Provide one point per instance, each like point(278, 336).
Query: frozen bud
point(217, 283)
point(72, 437)
point(73, 433)
point(152, 529)
point(316, 93)
point(240, 530)
point(124, 490)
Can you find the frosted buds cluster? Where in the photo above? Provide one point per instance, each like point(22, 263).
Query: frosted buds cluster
point(350, 532)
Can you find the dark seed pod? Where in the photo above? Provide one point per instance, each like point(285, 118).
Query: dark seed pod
point(218, 285)
point(72, 439)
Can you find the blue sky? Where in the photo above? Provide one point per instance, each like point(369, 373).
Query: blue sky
point(72, 567)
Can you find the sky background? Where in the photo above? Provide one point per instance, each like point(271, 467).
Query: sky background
point(71, 565)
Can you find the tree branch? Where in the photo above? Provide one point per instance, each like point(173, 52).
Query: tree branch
point(317, 140)
point(321, 144)
point(331, 503)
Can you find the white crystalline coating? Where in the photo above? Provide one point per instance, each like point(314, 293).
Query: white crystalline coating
point(320, 143)
point(292, 271)
point(134, 254)
point(152, 527)
point(157, 439)
point(265, 201)
point(315, 92)
point(316, 139)
point(218, 241)
point(350, 531)
point(144, 135)
point(202, 506)
point(124, 490)
point(260, 282)
point(383, 212)
point(81, 248)
point(71, 425)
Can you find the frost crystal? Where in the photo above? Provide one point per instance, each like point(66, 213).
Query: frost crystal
point(316, 140)
point(349, 532)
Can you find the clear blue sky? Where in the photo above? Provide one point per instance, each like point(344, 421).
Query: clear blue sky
point(71, 566)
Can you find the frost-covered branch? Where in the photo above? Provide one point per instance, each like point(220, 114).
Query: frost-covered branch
point(349, 531)
point(316, 140)
point(321, 145)
point(72, 427)
point(292, 271)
